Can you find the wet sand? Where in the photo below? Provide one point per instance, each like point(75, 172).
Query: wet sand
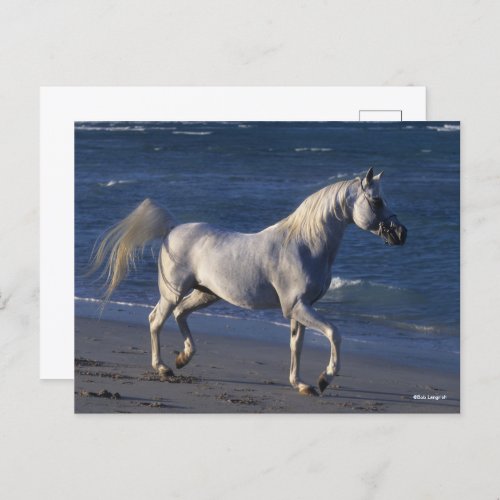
point(113, 374)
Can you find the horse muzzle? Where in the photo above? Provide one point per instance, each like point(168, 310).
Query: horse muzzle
point(392, 232)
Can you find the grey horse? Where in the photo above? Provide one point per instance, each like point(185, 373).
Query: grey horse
point(286, 266)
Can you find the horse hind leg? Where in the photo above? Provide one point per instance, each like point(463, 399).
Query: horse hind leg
point(157, 318)
point(196, 300)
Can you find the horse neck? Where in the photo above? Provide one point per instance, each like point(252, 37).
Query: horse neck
point(334, 228)
point(337, 216)
point(340, 213)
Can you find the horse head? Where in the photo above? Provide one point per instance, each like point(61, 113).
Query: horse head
point(372, 213)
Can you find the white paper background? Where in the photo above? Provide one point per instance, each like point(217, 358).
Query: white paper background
point(451, 47)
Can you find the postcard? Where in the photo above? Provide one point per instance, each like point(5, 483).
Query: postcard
point(252, 266)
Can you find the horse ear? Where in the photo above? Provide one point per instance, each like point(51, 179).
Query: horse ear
point(379, 176)
point(369, 177)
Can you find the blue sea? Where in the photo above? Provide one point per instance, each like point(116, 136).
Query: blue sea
point(246, 176)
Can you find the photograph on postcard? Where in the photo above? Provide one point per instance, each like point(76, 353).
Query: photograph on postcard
point(267, 267)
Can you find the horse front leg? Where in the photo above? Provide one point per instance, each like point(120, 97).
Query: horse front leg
point(157, 318)
point(309, 317)
point(296, 341)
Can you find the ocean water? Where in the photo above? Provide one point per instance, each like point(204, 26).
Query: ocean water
point(247, 176)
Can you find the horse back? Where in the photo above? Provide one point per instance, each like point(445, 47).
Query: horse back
point(250, 270)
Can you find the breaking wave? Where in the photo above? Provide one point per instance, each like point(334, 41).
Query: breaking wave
point(445, 128)
point(338, 283)
point(113, 128)
point(185, 132)
point(313, 150)
point(113, 182)
point(94, 126)
point(114, 302)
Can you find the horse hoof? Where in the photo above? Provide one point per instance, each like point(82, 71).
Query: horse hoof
point(164, 371)
point(308, 390)
point(322, 383)
point(181, 360)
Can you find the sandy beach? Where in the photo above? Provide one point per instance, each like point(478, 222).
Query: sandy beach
point(231, 374)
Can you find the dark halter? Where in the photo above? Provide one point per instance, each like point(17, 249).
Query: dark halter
point(384, 226)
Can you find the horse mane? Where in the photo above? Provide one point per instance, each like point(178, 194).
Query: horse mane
point(308, 223)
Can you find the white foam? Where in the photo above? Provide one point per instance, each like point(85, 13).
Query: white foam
point(185, 132)
point(148, 306)
point(337, 176)
point(114, 302)
point(123, 128)
point(239, 318)
point(117, 128)
point(113, 182)
point(313, 150)
point(400, 324)
point(414, 327)
point(445, 128)
point(338, 282)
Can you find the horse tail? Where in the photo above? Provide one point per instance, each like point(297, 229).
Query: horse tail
point(120, 245)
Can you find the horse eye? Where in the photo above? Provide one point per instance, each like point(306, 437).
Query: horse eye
point(378, 202)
